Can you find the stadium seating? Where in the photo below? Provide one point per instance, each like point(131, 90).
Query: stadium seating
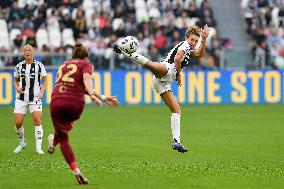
point(13, 34)
point(265, 27)
point(4, 37)
point(55, 38)
point(42, 38)
point(88, 4)
point(103, 18)
point(67, 36)
point(89, 14)
point(3, 25)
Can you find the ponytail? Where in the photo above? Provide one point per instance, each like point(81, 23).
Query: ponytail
point(80, 52)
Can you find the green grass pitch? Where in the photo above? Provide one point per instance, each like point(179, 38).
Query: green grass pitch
point(238, 146)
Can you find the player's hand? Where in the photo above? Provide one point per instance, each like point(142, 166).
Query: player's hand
point(20, 90)
point(205, 31)
point(116, 48)
point(96, 100)
point(112, 101)
point(179, 80)
point(39, 96)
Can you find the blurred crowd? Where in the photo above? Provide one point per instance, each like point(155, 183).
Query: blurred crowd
point(265, 21)
point(55, 26)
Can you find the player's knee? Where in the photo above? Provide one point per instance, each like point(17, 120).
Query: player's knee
point(37, 121)
point(19, 124)
point(176, 107)
point(62, 137)
point(176, 110)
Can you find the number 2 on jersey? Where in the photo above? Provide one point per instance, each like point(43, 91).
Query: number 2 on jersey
point(67, 76)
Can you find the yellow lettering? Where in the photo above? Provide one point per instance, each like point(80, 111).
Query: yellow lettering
point(107, 84)
point(212, 87)
point(149, 91)
point(196, 85)
point(49, 87)
point(133, 87)
point(255, 76)
point(272, 93)
point(237, 80)
point(5, 98)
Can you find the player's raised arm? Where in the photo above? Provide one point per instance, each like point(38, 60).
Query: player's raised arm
point(88, 83)
point(177, 61)
point(201, 50)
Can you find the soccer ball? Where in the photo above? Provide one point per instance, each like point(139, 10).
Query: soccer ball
point(129, 44)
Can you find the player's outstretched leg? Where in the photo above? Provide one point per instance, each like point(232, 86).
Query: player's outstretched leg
point(159, 70)
point(134, 57)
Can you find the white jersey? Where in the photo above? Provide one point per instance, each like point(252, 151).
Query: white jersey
point(29, 76)
point(184, 46)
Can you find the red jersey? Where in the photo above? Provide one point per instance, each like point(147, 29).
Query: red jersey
point(69, 80)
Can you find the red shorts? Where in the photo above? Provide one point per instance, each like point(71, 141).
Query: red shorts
point(64, 113)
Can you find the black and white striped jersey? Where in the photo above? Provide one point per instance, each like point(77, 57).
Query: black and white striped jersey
point(29, 76)
point(183, 45)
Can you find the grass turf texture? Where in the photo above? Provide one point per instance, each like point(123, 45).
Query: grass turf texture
point(130, 147)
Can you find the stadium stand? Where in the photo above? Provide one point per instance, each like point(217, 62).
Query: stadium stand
point(264, 20)
point(54, 27)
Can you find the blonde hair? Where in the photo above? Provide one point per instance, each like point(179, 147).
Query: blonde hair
point(28, 46)
point(195, 30)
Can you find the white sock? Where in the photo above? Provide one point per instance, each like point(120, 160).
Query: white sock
point(77, 171)
point(135, 57)
point(38, 136)
point(175, 125)
point(21, 134)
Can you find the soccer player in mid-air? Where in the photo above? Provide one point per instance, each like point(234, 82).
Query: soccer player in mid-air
point(27, 76)
point(169, 70)
point(67, 103)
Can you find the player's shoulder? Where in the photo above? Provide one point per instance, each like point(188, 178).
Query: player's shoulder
point(79, 62)
point(20, 64)
point(84, 64)
point(185, 46)
point(38, 63)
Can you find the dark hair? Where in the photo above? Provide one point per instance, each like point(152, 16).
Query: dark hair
point(80, 52)
point(195, 30)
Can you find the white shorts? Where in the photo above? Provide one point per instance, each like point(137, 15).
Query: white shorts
point(163, 84)
point(22, 106)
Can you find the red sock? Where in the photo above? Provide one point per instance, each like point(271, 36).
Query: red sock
point(73, 166)
point(66, 148)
